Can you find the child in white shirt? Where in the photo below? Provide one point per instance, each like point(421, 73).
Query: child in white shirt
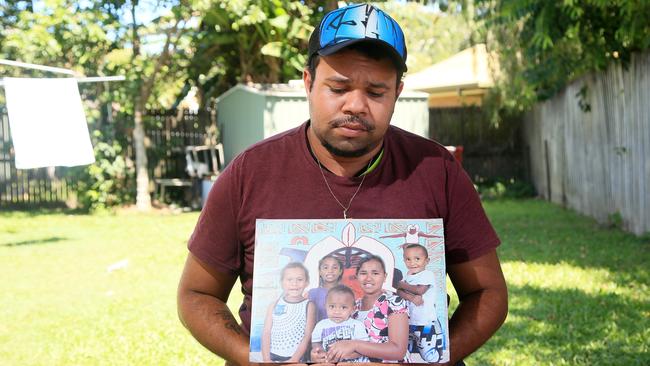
point(339, 324)
point(417, 288)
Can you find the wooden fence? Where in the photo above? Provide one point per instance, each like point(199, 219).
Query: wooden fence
point(490, 152)
point(590, 145)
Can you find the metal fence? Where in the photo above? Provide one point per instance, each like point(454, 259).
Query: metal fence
point(590, 145)
point(168, 132)
point(44, 187)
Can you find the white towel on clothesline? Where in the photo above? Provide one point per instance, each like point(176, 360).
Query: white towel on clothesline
point(47, 122)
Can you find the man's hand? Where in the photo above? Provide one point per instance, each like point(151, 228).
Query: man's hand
point(202, 296)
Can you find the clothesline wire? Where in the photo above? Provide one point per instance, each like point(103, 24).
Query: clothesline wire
point(91, 79)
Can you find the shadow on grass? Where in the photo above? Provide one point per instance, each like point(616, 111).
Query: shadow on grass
point(534, 231)
point(14, 212)
point(571, 327)
point(33, 242)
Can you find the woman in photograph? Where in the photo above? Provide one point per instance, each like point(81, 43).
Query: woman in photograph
point(384, 314)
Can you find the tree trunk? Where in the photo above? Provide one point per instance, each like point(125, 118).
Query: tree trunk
point(142, 198)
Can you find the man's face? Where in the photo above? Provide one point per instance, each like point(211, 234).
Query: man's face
point(339, 306)
point(351, 102)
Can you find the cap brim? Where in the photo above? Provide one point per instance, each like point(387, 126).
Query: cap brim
point(339, 46)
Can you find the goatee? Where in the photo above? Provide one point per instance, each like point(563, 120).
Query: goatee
point(344, 153)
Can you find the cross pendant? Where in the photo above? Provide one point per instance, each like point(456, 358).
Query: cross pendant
point(345, 214)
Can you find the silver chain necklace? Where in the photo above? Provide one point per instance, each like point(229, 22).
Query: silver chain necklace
point(345, 208)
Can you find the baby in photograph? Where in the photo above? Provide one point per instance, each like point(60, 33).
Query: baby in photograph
point(338, 326)
point(425, 331)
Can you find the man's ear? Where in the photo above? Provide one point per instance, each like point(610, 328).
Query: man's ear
point(306, 78)
point(399, 89)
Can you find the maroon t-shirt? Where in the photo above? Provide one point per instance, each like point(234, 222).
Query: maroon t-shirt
point(279, 179)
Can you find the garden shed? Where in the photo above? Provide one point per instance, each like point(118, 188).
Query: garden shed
point(247, 114)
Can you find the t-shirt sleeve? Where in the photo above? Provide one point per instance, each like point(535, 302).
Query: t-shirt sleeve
point(215, 237)
point(316, 335)
point(425, 278)
point(396, 305)
point(468, 232)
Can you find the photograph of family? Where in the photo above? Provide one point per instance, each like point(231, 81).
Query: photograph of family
point(349, 291)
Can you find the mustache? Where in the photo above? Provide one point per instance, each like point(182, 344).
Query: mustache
point(349, 120)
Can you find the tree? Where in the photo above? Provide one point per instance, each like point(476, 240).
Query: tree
point(249, 41)
point(146, 70)
point(107, 38)
point(63, 34)
point(543, 45)
point(431, 35)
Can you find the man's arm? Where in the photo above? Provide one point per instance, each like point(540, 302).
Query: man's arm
point(202, 296)
point(483, 307)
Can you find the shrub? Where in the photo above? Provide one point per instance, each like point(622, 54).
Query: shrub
point(109, 181)
point(505, 188)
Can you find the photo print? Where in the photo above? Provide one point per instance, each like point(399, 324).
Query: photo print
point(329, 291)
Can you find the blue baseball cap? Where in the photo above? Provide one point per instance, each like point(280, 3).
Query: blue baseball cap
point(356, 23)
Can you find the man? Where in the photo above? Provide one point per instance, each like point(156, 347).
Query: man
point(346, 161)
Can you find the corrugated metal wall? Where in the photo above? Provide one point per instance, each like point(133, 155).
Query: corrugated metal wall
point(590, 145)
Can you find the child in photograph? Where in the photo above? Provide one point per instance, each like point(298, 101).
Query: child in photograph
point(330, 271)
point(290, 319)
point(338, 325)
point(417, 288)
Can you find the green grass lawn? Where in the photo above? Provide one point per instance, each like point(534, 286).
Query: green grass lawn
point(578, 292)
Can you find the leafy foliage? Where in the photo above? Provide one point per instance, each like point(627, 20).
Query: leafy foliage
point(490, 189)
point(431, 35)
point(108, 37)
point(109, 181)
point(249, 41)
point(544, 45)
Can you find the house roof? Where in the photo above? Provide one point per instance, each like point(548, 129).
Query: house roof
point(468, 69)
